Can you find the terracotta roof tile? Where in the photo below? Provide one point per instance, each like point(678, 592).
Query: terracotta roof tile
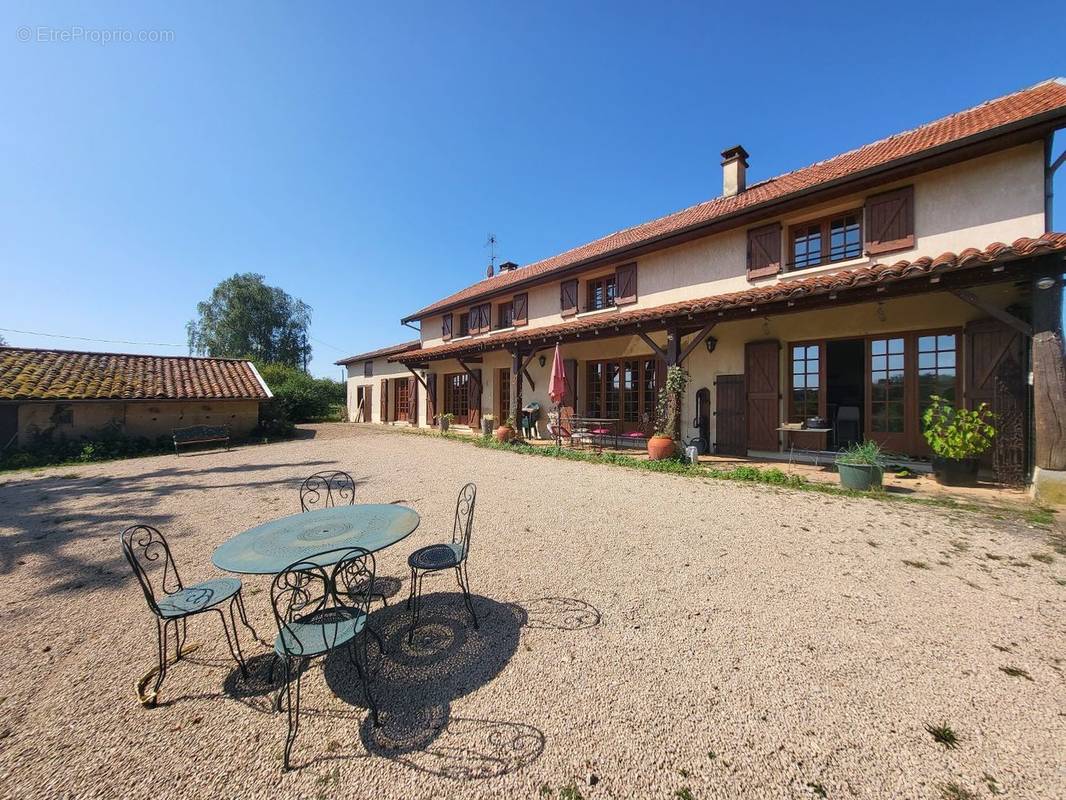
point(31, 374)
point(777, 292)
point(403, 347)
point(1013, 108)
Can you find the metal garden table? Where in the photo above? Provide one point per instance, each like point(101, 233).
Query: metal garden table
point(268, 548)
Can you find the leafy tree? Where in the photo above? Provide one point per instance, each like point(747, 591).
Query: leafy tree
point(297, 396)
point(245, 318)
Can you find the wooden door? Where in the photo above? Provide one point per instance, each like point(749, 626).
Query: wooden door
point(9, 424)
point(384, 399)
point(503, 395)
point(474, 413)
point(730, 423)
point(569, 404)
point(360, 404)
point(431, 399)
point(412, 400)
point(368, 404)
point(762, 386)
point(400, 404)
point(996, 361)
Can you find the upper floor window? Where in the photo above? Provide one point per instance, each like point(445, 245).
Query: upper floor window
point(464, 324)
point(825, 241)
point(506, 315)
point(368, 369)
point(601, 292)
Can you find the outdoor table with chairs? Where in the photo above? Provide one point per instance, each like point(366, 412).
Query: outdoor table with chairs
point(324, 569)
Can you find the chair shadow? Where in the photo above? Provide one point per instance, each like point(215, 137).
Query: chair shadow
point(416, 683)
point(387, 586)
point(561, 614)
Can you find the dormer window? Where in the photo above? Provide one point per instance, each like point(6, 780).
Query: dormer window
point(601, 292)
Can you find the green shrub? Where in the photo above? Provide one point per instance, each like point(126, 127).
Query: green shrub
point(866, 453)
point(105, 444)
point(300, 398)
point(957, 433)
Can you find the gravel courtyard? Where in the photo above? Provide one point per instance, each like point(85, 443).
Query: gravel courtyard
point(643, 636)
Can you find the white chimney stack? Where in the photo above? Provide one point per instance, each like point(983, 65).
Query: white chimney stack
point(734, 171)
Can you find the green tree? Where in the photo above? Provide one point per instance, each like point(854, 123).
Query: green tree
point(245, 318)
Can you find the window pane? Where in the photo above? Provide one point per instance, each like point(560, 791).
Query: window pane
point(877, 347)
point(945, 342)
point(926, 344)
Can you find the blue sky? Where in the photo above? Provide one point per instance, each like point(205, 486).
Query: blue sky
point(358, 155)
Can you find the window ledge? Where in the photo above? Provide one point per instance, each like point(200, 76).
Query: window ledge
point(860, 261)
point(502, 330)
point(595, 311)
point(460, 338)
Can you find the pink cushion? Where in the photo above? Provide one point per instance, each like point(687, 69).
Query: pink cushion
point(600, 431)
point(637, 435)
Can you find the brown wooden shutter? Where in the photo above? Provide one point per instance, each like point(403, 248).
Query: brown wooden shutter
point(890, 221)
point(473, 388)
point(762, 381)
point(568, 297)
point(384, 399)
point(625, 284)
point(431, 398)
point(764, 251)
point(569, 404)
point(486, 318)
point(368, 403)
point(520, 314)
point(412, 400)
point(446, 326)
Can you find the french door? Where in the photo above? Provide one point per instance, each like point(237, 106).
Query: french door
point(403, 397)
point(626, 390)
point(457, 397)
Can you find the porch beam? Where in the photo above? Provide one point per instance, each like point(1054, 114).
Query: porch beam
point(696, 342)
point(651, 343)
point(516, 386)
point(1003, 316)
point(673, 347)
point(1049, 375)
point(470, 372)
point(418, 377)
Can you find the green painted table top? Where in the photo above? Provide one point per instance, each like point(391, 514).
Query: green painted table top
point(268, 548)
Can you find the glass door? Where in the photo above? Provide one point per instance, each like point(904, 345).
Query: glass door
point(889, 417)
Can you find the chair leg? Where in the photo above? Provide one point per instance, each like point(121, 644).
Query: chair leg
point(184, 634)
point(355, 650)
point(416, 589)
point(234, 645)
point(161, 636)
point(293, 706)
point(244, 616)
point(411, 596)
point(464, 584)
point(378, 639)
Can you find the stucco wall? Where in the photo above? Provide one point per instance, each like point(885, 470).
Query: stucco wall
point(382, 369)
point(148, 418)
point(998, 197)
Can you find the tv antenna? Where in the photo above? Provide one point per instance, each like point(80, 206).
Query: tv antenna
point(491, 244)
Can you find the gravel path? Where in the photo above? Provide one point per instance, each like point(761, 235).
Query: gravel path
point(641, 633)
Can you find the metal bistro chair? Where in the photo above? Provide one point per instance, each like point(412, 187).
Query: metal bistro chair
point(327, 489)
point(437, 557)
point(171, 601)
point(320, 609)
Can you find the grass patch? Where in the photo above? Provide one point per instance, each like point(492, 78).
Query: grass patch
point(818, 789)
point(1016, 672)
point(992, 784)
point(1043, 558)
point(953, 791)
point(1039, 515)
point(915, 564)
point(684, 793)
point(1057, 540)
point(943, 734)
point(570, 792)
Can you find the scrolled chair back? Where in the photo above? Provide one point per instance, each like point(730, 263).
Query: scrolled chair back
point(464, 517)
point(307, 594)
point(149, 556)
point(326, 490)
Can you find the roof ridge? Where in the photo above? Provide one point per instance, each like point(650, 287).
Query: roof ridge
point(116, 353)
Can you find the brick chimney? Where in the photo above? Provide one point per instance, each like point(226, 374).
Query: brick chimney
point(734, 171)
point(507, 266)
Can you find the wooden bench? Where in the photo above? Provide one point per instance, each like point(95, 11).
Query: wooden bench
point(201, 434)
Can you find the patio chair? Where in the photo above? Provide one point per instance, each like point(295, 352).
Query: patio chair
point(172, 602)
point(437, 557)
point(318, 610)
point(327, 489)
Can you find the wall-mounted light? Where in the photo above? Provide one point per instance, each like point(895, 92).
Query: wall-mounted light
point(711, 343)
point(880, 311)
point(1046, 282)
point(543, 360)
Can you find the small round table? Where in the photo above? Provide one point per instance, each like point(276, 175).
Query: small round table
point(268, 548)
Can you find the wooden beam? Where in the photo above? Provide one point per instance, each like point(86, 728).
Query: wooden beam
point(695, 342)
point(470, 372)
point(529, 378)
point(528, 361)
point(673, 347)
point(1049, 376)
point(418, 377)
point(651, 343)
point(1005, 317)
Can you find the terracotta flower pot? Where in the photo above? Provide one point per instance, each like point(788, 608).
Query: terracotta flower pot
point(504, 433)
point(660, 447)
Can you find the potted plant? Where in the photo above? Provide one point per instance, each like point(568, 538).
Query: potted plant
point(505, 432)
point(445, 421)
point(488, 425)
point(860, 466)
point(957, 436)
point(662, 443)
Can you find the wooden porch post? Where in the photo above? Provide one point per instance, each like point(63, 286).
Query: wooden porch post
point(1049, 374)
point(516, 388)
point(673, 359)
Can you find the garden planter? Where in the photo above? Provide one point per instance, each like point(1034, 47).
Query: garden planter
point(504, 433)
point(955, 471)
point(660, 447)
point(444, 426)
point(860, 477)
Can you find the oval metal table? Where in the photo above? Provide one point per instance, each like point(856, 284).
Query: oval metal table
point(268, 548)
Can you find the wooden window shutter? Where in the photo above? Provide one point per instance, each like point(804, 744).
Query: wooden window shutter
point(431, 398)
point(520, 314)
point(890, 221)
point(446, 326)
point(568, 297)
point(412, 400)
point(569, 403)
point(384, 400)
point(764, 251)
point(625, 284)
point(486, 318)
point(473, 388)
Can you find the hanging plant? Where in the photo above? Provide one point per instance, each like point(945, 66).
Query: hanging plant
point(671, 396)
